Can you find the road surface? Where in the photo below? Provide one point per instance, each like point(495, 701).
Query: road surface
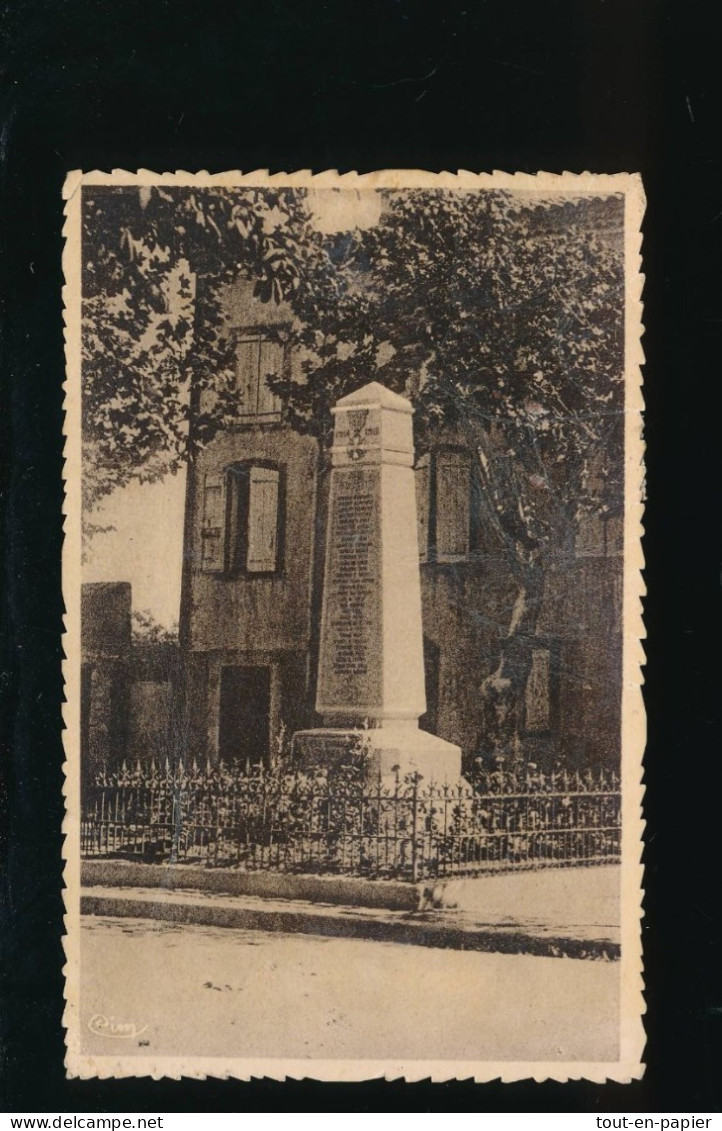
point(157, 989)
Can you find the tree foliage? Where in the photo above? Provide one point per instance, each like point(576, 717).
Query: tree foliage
point(502, 317)
point(147, 630)
point(155, 265)
point(505, 321)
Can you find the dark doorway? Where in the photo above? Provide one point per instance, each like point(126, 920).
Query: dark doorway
point(244, 723)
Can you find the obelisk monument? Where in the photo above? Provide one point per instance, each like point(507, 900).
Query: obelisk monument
point(371, 661)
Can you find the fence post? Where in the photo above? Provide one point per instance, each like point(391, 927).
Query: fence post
point(176, 820)
point(414, 819)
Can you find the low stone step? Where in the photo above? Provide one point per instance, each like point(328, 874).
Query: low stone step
point(433, 928)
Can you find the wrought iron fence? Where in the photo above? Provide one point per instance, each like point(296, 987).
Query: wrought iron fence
point(343, 822)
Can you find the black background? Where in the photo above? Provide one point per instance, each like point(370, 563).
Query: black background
point(600, 85)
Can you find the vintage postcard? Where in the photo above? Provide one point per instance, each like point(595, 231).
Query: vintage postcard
point(354, 724)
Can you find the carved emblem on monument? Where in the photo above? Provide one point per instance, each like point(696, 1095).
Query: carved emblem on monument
point(356, 448)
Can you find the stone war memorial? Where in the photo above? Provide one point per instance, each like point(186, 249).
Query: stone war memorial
point(371, 665)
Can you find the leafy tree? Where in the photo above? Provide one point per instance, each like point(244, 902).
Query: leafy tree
point(147, 630)
point(501, 315)
point(156, 262)
point(505, 321)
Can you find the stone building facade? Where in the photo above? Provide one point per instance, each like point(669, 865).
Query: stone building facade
point(252, 582)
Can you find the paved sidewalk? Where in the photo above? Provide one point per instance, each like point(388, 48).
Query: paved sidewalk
point(561, 912)
point(578, 903)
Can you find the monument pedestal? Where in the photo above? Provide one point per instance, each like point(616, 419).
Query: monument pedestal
point(384, 748)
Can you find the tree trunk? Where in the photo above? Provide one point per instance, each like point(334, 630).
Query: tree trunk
point(502, 692)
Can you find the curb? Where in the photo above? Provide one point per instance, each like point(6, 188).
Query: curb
point(197, 909)
point(393, 895)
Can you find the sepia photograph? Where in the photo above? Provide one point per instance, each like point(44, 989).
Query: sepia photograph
point(352, 574)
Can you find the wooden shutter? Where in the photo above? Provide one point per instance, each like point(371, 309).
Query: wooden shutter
point(270, 364)
point(263, 520)
point(538, 687)
point(453, 504)
point(212, 530)
point(247, 369)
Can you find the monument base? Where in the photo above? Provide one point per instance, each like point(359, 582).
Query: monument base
point(385, 748)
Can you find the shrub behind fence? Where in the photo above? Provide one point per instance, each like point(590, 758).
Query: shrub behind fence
point(342, 822)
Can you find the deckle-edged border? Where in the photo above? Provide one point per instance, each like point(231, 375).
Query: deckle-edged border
point(629, 1066)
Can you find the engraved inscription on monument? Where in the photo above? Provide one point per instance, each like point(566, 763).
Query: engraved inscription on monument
point(351, 673)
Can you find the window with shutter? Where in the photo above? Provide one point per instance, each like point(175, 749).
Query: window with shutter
point(212, 530)
point(257, 359)
point(254, 518)
point(263, 520)
point(538, 691)
point(453, 505)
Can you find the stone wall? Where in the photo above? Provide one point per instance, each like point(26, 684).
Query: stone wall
point(105, 658)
